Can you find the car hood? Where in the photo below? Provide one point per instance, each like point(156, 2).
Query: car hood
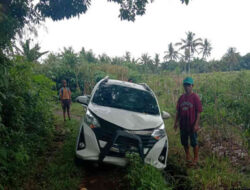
point(126, 119)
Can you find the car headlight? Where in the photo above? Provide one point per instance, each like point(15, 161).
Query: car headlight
point(91, 120)
point(159, 132)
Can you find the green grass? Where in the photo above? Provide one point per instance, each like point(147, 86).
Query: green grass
point(214, 172)
point(61, 172)
point(56, 168)
point(77, 109)
point(143, 176)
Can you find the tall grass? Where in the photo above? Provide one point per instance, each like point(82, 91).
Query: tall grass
point(143, 176)
point(225, 119)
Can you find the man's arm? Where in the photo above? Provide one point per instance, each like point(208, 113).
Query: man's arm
point(196, 125)
point(198, 107)
point(70, 96)
point(176, 121)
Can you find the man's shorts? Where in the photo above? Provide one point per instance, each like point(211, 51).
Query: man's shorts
point(185, 135)
point(65, 104)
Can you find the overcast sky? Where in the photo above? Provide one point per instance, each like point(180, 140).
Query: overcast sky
point(225, 23)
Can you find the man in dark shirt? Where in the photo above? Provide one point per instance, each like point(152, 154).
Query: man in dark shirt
point(188, 115)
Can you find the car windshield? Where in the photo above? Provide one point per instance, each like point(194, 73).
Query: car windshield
point(126, 98)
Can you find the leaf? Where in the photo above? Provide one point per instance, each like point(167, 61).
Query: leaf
point(2, 95)
point(185, 1)
point(3, 153)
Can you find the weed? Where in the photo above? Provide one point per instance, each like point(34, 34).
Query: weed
point(143, 176)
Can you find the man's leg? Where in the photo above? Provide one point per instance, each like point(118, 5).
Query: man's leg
point(64, 114)
point(64, 110)
point(196, 154)
point(194, 144)
point(186, 148)
point(68, 109)
point(184, 142)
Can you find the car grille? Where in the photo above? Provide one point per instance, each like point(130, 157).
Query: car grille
point(108, 130)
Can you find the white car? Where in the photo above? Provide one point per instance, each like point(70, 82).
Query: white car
point(122, 117)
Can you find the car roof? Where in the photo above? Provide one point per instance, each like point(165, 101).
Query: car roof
point(127, 84)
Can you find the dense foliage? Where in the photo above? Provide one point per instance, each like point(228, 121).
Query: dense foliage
point(25, 118)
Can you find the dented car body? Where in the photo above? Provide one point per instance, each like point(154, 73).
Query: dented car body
point(122, 117)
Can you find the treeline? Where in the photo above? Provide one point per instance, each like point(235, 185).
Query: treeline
point(83, 69)
point(187, 56)
point(229, 62)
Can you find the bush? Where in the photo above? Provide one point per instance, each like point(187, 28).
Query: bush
point(25, 119)
point(143, 176)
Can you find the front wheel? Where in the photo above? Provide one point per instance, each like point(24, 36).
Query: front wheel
point(78, 161)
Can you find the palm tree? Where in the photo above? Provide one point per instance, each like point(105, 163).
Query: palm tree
point(157, 60)
point(90, 56)
point(104, 58)
point(231, 57)
point(31, 54)
point(135, 61)
point(147, 62)
point(117, 61)
point(127, 56)
point(145, 59)
point(190, 44)
point(206, 49)
point(171, 54)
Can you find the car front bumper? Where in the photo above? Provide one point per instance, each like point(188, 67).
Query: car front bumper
point(112, 150)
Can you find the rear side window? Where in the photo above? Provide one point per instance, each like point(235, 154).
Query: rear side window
point(126, 98)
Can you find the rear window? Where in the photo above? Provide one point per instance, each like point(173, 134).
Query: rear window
point(126, 98)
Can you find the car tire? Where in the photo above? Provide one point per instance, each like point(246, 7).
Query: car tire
point(78, 161)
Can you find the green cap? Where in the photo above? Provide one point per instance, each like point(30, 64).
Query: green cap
point(188, 80)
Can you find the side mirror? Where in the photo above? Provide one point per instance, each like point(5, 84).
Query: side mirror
point(83, 99)
point(165, 115)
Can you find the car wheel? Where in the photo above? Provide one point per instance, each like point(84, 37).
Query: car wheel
point(78, 161)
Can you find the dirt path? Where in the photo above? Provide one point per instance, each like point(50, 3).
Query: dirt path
point(105, 177)
point(60, 113)
point(36, 179)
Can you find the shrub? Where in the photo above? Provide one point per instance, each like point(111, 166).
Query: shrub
point(143, 176)
point(25, 119)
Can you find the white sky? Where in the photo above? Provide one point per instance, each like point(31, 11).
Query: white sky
point(225, 23)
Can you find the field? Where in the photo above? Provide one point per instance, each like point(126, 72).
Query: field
point(224, 135)
point(224, 143)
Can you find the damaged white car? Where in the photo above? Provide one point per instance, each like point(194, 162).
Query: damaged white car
point(122, 117)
